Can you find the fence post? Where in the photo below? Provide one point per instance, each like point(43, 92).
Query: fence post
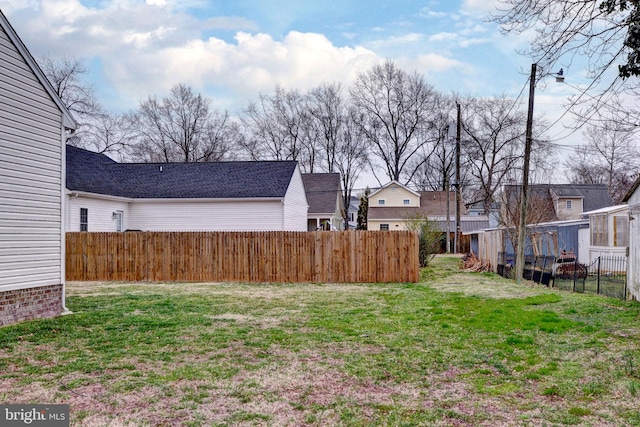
point(575, 266)
point(598, 287)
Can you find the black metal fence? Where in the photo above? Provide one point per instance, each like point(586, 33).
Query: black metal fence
point(607, 275)
point(604, 276)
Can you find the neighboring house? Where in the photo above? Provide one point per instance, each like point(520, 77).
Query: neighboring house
point(352, 212)
point(326, 206)
point(555, 202)
point(558, 220)
point(34, 124)
point(392, 206)
point(104, 195)
point(477, 209)
point(609, 231)
point(632, 198)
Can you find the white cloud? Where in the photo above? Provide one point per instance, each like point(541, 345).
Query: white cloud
point(480, 5)
point(252, 65)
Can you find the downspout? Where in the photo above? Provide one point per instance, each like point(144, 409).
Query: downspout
point(65, 310)
point(63, 221)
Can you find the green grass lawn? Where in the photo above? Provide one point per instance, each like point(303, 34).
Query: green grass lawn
point(456, 349)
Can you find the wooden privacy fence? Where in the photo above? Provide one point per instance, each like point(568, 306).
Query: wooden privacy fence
point(320, 256)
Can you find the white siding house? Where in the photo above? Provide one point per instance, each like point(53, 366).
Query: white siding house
point(104, 195)
point(633, 261)
point(33, 126)
point(326, 205)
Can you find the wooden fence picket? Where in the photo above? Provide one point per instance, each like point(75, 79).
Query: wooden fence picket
point(270, 256)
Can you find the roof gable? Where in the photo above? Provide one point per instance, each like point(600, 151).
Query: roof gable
point(631, 191)
point(323, 192)
point(96, 173)
point(390, 184)
point(68, 121)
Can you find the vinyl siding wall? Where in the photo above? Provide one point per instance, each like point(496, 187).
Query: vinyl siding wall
point(394, 224)
point(633, 262)
point(100, 213)
point(295, 205)
point(31, 170)
point(205, 215)
point(574, 213)
point(394, 195)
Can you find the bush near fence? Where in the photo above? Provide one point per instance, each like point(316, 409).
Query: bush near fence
point(321, 256)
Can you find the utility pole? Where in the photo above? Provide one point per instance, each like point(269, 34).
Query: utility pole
point(457, 185)
point(448, 227)
point(522, 227)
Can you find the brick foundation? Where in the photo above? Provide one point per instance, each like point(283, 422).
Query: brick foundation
point(31, 303)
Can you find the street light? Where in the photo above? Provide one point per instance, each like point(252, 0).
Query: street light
point(524, 188)
point(522, 226)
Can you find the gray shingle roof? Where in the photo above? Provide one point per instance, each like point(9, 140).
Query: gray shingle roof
point(322, 191)
point(595, 196)
point(97, 173)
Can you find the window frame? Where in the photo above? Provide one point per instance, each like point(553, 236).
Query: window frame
point(84, 219)
point(384, 227)
point(598, 225)
point(620, 231)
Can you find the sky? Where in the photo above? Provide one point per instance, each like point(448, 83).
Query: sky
point(232, 51)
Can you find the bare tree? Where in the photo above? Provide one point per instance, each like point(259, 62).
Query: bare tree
point(493, 147)
point(328, 112)
point(602, 33)
point(396, 110)
point(540, 208)
point(351, 156)
point(611, 156)
point(109, 134)
point(181, 127)
point(278, 127)
point(341, 144)
point(494, 135)
point(65, 75)
point(436, 170)
point(98, 130)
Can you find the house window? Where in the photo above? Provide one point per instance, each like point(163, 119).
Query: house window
point(384, 227)
point(381, 202)
point(84, 219)
point(406, 202)
point(620, 231)
point(569, 204)
point(598, 226)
